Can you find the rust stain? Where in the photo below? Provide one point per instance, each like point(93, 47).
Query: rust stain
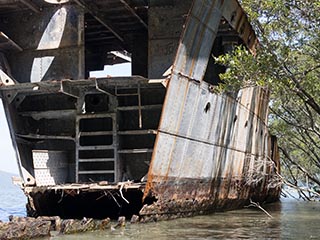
point(168, 152)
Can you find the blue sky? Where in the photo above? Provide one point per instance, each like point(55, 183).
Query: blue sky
point(7, 158)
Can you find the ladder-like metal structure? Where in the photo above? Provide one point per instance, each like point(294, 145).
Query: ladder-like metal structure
point(96, 147)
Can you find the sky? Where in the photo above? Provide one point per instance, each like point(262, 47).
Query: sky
point(123, 69)
point(8, 161)
point(7, 155)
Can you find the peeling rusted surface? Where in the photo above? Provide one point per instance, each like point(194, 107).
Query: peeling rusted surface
point(208, 151)
point(213, 151)
point(237, 18)
point(179, 198)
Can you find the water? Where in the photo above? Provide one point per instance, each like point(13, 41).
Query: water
point(291, 219)
point(12, 199)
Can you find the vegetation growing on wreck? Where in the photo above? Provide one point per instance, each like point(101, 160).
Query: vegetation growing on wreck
point(287, 61)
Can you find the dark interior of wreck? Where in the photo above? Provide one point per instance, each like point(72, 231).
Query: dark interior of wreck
point(96, 131)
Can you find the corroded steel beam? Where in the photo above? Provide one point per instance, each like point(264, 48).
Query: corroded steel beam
point(101, 20)
point(31, 5)
point(237, 18)
point(133, 12)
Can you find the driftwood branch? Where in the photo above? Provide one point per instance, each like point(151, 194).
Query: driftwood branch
point(257, 205)
point(122, 184)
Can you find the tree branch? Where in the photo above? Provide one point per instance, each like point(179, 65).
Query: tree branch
point(286, 154)
point(302, 93)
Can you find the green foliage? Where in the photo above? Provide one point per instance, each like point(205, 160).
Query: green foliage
point(287, 61)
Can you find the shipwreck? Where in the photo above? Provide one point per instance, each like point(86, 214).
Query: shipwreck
point(158, 144)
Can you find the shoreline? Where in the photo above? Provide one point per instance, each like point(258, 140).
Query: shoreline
point(28, 227)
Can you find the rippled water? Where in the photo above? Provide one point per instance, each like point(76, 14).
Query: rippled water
point(290, 220)
point(12, 199)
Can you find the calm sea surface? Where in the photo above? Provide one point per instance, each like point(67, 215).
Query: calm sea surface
point(12, 199)
point(290, 220)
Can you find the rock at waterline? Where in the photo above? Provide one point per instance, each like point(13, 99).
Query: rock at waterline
point(70, 226)
point(27, 228)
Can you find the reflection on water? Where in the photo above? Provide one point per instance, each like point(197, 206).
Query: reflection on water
point(291, 220)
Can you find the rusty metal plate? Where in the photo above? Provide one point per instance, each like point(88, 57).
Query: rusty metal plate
point(217, 141)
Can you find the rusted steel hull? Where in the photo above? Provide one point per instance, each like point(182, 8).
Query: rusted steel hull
point(190, 149)
point(204, 202)
point(205, 158)
point(208, 163)
point(211, 150)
